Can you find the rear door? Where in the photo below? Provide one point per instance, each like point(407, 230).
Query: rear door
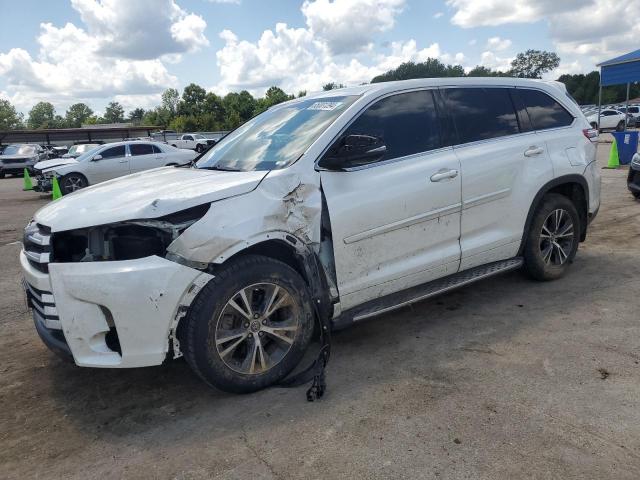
point(503, 165)
point(395, 223)
point(142, 157)
point(114, 163)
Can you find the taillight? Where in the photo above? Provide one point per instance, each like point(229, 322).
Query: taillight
point(590, 133)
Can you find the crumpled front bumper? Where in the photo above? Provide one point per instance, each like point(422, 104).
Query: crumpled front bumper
point(80, 303)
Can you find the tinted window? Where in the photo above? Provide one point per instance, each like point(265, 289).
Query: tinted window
point(407, 123)
point(188, 137)
point(140, 149)
point(481, 113)
point(156, 149)
point(544, 111)
point(634, 109)
point(113, 152)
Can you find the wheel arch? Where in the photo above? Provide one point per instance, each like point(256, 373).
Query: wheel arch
point(575, 188)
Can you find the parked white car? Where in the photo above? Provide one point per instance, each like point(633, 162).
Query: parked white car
point(192, 141)
point(609, 119)
point(331, 208)
point(105, 162)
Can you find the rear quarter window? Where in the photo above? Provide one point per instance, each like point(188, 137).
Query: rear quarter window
point(544, 111)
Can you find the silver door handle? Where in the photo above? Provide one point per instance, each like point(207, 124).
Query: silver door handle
point(533, 151)
point(436, 177)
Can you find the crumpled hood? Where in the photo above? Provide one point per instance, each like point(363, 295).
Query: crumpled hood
point(48, 165)
point(17, 157)
point(149, 194)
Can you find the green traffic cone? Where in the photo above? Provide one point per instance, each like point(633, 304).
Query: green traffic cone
point(614, 159)
point(55, 189)
point(27, 181)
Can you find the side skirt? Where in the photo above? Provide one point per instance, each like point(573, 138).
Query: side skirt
point(418, 293)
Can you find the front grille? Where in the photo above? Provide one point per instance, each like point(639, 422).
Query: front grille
point(14, 160)
point(44, 307)
point(37, 246)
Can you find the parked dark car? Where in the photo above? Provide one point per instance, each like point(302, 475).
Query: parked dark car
point(15, 158)
point(633, 178)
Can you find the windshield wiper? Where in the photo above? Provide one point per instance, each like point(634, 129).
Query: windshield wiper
point(222, 169)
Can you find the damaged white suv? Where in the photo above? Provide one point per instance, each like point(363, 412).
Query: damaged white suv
point(345, 204)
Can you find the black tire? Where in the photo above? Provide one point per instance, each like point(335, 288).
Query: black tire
point(594, 125)
point(537, 246)
point(72, 182)
point(200, 337)
point(199, 148)
point(636, 195)
point(2, 174)
point(620, 126)
point(174, 145)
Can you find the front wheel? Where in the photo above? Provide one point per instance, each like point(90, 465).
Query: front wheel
point(72, 182)
point(249, 326)
point(552, 240)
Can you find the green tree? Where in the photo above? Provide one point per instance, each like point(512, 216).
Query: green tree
point(136, 115)
point(192, 102)
point(332, 86)
point(77, 114)
point(9, 117)
point(481, 71)
point(170, 101)
point(239, 108)
point(302, 93)
point(214, 112)
point(42, 115)
point(430, 68)
point(534, 63)
point(114, 113)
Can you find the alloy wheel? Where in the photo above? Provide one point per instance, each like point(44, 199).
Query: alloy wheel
point(257, 328)
point(557, 237)
point(73, 183)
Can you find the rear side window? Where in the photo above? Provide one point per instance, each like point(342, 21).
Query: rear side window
point(634, 110)
point(481, 113)
point(544, 111)
point(407, 123)
point(140, 149)
point(113, 152)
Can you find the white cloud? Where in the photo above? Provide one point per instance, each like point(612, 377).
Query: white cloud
point(490, 60)
point(235, 2)
point(498, 44)
point(584, 32)
point(348, 26)
point(120, 52)
point(141, 29)
point(438, 14)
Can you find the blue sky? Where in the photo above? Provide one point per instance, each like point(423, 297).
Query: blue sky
point(96, 51)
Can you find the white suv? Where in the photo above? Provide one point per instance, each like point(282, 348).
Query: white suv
point(337, 206)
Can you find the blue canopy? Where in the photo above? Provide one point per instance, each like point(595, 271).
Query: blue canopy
point(621, 70)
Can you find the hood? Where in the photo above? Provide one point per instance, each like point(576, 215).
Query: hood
point(149, 194)
point(47, 165)
point(18, 157)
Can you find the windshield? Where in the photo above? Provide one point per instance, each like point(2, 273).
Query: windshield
point(19, 150)
point(276, 138)
point(199, 137)
point(82, 148)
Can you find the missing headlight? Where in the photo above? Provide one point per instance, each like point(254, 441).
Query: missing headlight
point(124, 240)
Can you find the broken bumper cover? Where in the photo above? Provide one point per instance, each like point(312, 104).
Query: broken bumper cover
point(77, 305)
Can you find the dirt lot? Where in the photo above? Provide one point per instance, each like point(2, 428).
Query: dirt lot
point(508, 378)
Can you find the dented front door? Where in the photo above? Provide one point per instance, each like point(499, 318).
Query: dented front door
point(396, 222)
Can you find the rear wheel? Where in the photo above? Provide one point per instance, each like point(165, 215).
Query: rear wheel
point(552, 241)
point(72, 182)
point(249, 326)
point(2, 174)
point(199, 148)
point(620, 126)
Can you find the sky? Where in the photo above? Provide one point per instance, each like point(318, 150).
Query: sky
point(96, 51)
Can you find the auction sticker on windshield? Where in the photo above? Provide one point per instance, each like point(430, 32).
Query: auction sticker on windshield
point(324, 106)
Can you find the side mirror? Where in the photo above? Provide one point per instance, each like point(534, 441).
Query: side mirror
point(354, 151)
point(96, 158)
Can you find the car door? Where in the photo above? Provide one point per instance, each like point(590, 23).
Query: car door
point(502, 163)
point(395, 223)
point(142, 157)
point(112, 162)
point(188, 142)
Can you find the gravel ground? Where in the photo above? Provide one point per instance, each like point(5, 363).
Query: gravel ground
point(507, 378)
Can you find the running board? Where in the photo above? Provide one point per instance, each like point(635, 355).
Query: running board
point(422, 292)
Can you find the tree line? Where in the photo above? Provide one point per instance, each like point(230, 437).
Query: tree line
point(198, 110)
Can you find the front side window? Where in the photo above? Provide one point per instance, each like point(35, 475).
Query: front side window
point(481, 113)
point(113, 152)
point(544, 111)
point(156, 149)
point(188, 137)
point(140, 149)
point(406, 123)
point(276, 138)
